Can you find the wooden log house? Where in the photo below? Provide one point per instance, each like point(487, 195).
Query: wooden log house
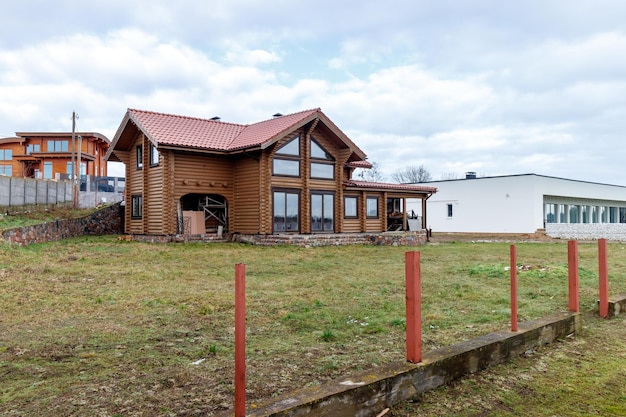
point(287, 174)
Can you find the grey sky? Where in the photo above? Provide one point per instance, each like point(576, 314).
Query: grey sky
point(496, 87)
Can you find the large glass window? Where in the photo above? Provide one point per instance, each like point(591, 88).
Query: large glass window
point(325, 171)
point(551, 213)
point(612, 214)
point(33, 148)
point(322, 164)
point(372, 207)
point(322, 212)
point(286, 167)
point(622, 214)
point(350, 204)
point(287, 159)
point(6, 154)
point(574, 212)
point(286, 211)
point(47, 170)
point(562, 213)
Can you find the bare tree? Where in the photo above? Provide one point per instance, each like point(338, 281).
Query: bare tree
point(372, 174)
point(450, 176)
point(412, 175)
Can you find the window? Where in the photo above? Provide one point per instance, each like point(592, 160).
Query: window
point(33, 148)
point(562, 213)
point(287, 159)
point(58, 146)
point(372, 207)
point(136, 206)
point(622, 214)
point(350, 207)
point(322, 164)
point(154, 156)
point(6, 170)
point(322, 212)
point(139, 157)
point(286, 167)
point(613, 214)
point(286, 211)
point(550, 213)
point(449, 210)
point(574, 212)
point(6, 154)
point(325, 171)
point(47, 170)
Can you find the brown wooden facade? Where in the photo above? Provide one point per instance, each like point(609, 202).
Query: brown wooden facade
point(48, 155)
point(248, 190)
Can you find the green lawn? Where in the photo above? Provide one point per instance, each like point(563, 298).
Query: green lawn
point(98, 326)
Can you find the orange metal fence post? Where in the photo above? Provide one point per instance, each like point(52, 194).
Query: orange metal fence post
point(240, 340)
point(572, 269)
point(604, 278)
point(413, 307)
point(513, 289)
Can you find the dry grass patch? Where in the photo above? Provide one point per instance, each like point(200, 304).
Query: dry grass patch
point(97, 326)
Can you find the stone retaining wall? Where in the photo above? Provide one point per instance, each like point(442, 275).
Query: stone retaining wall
point(103, 222)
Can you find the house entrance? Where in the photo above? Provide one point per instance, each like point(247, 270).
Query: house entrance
point(211, 208)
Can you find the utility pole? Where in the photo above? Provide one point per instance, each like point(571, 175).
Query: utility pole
point(73, 173)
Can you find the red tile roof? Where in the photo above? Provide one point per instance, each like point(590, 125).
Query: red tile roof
point(191, 132)
point(388, 186)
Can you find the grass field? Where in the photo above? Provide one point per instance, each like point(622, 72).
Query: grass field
point(98, 326)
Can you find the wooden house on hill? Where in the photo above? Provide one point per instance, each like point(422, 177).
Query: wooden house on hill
point(50, 155)
point(288, 174)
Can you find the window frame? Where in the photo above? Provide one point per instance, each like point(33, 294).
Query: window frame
point(6, 170)
point(154, 152)
point(323, 195)
point(356, 206)
point(367, 207)
point(48, 166)
point(450, 210)
point(136, 206)
point(6, 154)
point(287, 192)
point(320, 161)
point(139, 156)
point(288, 157)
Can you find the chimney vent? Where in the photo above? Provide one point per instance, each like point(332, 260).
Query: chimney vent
point(216, 118)
point(277, 115)
point(470, 175)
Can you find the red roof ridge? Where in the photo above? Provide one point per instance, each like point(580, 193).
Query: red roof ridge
point(200, 119)
point(316, 109)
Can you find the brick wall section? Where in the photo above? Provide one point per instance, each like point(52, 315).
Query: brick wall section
point(104, 221)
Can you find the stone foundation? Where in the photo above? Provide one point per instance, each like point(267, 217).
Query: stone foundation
point(388, 238)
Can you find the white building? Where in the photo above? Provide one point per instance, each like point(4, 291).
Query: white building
point(525, 203)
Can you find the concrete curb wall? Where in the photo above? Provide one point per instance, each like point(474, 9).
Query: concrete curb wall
point(368, 393)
